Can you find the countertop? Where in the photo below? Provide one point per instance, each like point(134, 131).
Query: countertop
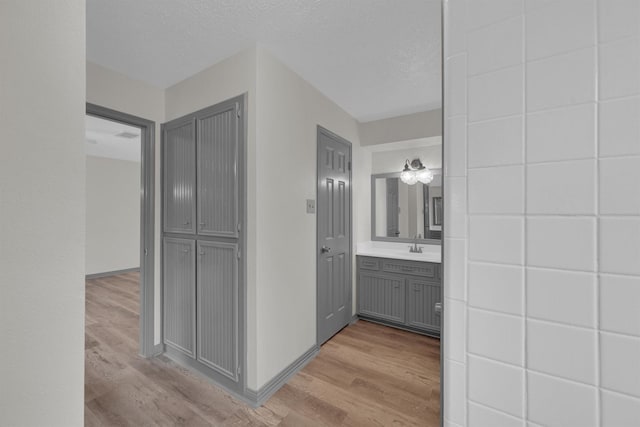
point(430, 253)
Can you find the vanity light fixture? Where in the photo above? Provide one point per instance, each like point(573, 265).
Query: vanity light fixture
point(415, 171)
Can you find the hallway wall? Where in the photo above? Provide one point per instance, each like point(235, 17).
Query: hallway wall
point(42, 208)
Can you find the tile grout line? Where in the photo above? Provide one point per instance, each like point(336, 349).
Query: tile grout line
point(598, 344)
point(525, 358)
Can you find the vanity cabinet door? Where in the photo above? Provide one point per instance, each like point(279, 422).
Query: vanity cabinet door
point(382, 296)
point(421, 302)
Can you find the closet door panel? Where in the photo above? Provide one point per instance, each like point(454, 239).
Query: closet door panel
point(179, 161)
point(218, 188)
point(179, 294)
point(217, 319)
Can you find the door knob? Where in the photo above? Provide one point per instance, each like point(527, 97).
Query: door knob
point(325, 249)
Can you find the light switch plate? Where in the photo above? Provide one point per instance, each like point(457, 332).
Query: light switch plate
point(311, 206)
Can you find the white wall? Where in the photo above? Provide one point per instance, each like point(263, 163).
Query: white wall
point(42, 83)
point(110, 89)
point(112, 214)
point(288, 112)
point(401, 128)
point(393, 161)
point(542, 248)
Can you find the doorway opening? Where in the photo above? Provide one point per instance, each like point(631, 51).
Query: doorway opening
point(120, 221)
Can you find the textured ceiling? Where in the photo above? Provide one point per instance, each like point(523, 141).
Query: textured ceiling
point(102, 140)
point(374, 58)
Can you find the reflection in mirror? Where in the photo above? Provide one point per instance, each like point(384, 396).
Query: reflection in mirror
point(402, 211)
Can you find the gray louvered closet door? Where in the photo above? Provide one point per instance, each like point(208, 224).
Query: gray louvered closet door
point(203, 182)
point(217, 320)
point(217, 173)
point(179, 171)
point(179, 263)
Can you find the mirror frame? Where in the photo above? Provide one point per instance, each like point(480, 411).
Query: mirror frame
point(373, 212)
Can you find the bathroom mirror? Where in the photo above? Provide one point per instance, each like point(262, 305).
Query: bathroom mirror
point(399, 211)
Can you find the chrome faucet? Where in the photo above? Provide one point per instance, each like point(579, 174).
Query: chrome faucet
point(415, 249)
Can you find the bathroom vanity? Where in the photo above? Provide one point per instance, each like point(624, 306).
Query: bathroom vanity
point(399, 289)
point(399, 278)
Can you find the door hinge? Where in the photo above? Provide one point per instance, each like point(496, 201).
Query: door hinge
point(238, 253)
point(238, 113)
point(146, 252)
point(239, 227)
point(349, 165)
point(238, 370)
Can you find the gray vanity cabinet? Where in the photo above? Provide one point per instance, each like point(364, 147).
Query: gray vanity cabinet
point(178, 265)
point(179, 172)
point(382, 296)
point(399, 293)
point(422, 299)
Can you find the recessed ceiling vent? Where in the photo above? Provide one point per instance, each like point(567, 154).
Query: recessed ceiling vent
point(127, 135)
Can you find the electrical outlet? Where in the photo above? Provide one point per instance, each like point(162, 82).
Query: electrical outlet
point(311, 206)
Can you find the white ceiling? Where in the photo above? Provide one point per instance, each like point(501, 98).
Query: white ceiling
point(374, 58)
point(102, 140)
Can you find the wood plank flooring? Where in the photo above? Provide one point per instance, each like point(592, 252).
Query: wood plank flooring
point(367, 375)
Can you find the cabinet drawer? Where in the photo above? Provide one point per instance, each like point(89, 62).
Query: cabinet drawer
point(369, 263)
point(422, 269)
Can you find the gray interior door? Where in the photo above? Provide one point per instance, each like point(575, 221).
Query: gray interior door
point(334, 234)
point(393, 208)
point(179, 164)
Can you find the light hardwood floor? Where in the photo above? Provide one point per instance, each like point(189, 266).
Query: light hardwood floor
point(367, 375)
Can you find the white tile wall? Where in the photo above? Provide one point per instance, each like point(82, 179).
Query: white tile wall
point(496, 239)
point(495, 46)
point(561, 242)
point(618, 19)
point(562, 296)
point(620, 186)
point(496, 142)
point(570, 117)
point(620, 352)
point(619, 127)
point(496, 190)
point(619, 410)
point(619, 299)
point(563, 351)
point(455, 249)
point(620, 245)
point(455, 392)
point(560, 26)
point(496, 385)
point(562, 188)
point(455, 319)
point(561, 80)
point(457, 150)
point(497, 336)
point(483, 416)
point(485, 12)
point(620, 68)
point(496, 287)
point(456, 86)
point(496, 94)
point(554, 402)
point(562, 134)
